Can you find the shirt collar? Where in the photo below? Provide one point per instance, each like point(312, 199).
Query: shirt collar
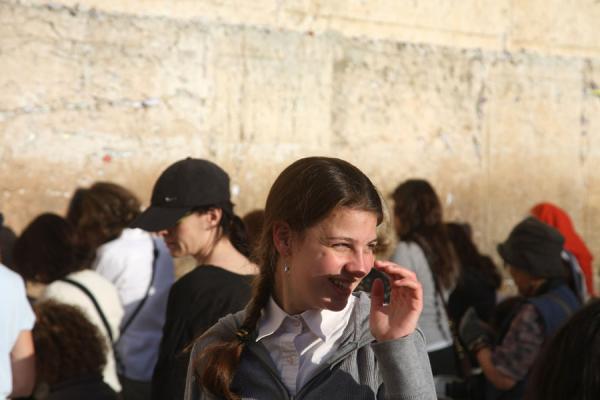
point(322, 323)
point(270, 320)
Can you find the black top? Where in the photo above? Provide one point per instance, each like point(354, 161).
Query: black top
point(196, 302)
point(472, 290)
point(476, 287)
point(90, 387)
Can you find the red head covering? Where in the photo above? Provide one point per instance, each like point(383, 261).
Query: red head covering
point(558, 218)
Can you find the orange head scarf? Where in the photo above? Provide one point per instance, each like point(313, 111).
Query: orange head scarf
point(559, 219)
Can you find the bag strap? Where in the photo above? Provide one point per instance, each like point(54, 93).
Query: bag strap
point(95, 302)
point(461, 353)
point(143, 301)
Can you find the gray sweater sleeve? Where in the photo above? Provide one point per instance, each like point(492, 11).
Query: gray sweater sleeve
point(404, 367)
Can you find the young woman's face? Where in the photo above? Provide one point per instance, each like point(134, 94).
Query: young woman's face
point(329, 260)
point(193, 236)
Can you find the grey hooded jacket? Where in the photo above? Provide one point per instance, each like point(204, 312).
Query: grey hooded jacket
point(360, 369)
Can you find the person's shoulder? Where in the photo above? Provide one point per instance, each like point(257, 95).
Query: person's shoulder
point(130, 242)
point(95, 283)
point(407, 254)
point(409, 247)
point(224, 329)
point(62, 292)
point(9, 278)
point(219, 272)
point(191, 281)
point(527, 316)
point(13, 290)
point(206, 283)
point(90, 276)
point(198, 283)
point(211, 277)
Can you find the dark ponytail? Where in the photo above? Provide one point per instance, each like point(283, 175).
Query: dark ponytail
point(234, 228)
point(304, 194)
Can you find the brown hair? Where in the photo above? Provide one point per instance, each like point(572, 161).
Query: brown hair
point(303, 195)
point(253, 222)
point(67, 345)
point(47, 251)
point(468, 256)
point(101, 212)
point(419, 211)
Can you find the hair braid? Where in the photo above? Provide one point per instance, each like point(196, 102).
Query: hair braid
point(223, 357)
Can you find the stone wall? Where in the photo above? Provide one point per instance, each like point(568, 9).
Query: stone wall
point(496, 102)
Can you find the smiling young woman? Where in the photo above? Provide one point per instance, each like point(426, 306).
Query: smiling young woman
point(304, 333)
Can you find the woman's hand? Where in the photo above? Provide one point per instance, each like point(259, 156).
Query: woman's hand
point(399, 317)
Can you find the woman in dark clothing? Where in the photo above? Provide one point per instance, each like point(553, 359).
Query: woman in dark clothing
point(191, 209)
point(70, 353)
point(478, 279)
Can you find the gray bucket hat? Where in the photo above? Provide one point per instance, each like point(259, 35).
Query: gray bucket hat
point(534, 247)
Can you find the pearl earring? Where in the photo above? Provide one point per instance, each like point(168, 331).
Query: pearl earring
point(286, 268)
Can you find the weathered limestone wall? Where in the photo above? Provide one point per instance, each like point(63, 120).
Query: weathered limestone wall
point(496, 102)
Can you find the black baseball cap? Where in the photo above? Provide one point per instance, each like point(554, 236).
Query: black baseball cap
point(185, 185)
point(534, 247)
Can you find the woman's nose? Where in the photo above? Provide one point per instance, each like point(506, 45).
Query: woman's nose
point(360, 265)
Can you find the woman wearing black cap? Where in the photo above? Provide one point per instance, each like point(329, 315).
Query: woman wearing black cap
point(532, 253)
point(191, 209)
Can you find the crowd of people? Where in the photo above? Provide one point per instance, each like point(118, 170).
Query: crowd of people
point(294, 300)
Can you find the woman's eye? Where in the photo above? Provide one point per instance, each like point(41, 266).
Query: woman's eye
point(341, 246)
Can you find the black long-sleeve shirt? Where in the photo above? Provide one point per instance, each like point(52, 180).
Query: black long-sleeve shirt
point(196, 302)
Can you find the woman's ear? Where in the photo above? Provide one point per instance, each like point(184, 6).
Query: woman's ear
point(282, 237)
point(213, 217)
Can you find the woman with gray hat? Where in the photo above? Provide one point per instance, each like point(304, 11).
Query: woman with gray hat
point(192, 210)
point(532, 254)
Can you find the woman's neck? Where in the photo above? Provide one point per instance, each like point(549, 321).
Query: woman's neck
point(282, 293)
point(226, 256)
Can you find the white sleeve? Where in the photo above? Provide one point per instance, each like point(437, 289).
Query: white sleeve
point(24, 317)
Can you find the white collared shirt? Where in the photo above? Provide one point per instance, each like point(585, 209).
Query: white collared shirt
point(299, 343)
